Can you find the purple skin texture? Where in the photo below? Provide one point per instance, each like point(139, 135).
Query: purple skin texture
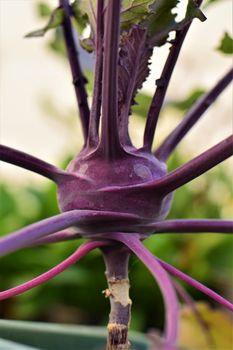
point(112, 191)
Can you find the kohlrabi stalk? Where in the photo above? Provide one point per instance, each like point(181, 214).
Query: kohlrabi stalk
point(78, 78)
point(112, 193)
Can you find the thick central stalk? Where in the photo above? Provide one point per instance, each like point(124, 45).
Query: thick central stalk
point(110, 143)
point(116, 260)
point(96, 102)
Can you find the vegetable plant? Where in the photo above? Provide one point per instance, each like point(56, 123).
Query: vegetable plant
point(113, 194)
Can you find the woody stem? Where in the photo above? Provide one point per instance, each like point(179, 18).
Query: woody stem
point(116, 260)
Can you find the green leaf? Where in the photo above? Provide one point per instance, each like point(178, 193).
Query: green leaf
point(57, 44)
point(193, 11)
point(80, 12)
point(88, 44)
point(141, 105)
point(219, 329)
point(55, 20)
point(43, 9)
point(158, 17)
point(210, 2)
point(85, 11)
point(87, 8)
point(162, 19)
point(187, 103)
point(226, 44)
point(134, 11)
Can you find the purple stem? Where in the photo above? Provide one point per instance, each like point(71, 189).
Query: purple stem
point(162, 84)
point(195, 225)
point(110, 143)
point(96, 103)
point(78, 78)
point(83, 220)
point(116, 258)
point(193, 115)
point(34, 164)
point(31, 233)
point(78, 254)
point(195, 167)
point(192, 282)
point(191, 303)
point(166, 286)
point(62, 236)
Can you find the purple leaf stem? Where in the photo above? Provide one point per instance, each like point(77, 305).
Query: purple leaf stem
point(78, 254)
point(78, 78)
point(166, 286)
point(96, 103)
point(197, 110)
point(83, 220)
point(195, 167)
point(34, 164)
point(191, 304)
point(192, 282)
point(195, 225)
point(110, 143)
point(61, 236)
point(31, 233)
point(162, 84)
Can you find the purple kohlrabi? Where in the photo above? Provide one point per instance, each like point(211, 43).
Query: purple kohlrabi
point(112, 193)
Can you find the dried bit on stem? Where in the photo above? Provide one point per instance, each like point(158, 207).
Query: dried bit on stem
point(78, 78)
point(194, 114)
point(119, 319)
point(116, 261)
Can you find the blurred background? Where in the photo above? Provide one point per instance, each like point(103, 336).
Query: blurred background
point(38, 116)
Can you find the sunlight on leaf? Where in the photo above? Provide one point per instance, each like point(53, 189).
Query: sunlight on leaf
point(158, 17)
point(219, 324)
point(162, 19)
point(134, 11)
